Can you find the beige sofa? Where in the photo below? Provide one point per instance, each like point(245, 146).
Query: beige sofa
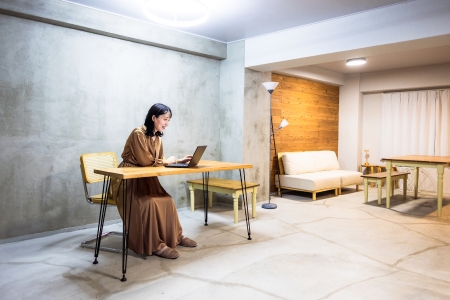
point(314, 171)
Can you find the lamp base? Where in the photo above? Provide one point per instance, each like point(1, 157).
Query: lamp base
point(269, 206)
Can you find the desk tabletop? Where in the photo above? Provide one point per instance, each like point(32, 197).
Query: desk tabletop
point(140, 172)
point(420, 158)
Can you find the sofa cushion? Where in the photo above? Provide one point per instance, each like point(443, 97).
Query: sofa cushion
point(347, 177)
point(295, 163)
point(311, 181)
point(325, 160)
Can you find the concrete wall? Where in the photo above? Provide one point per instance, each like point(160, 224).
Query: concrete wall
point(231, 110)
point(257, 130)
point(244, 119)
point(69, 15)
point(371, 128)
point(64, 92)
point(350, 111)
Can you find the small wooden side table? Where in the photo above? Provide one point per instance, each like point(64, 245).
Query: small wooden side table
point(369, 169)
point(225, 186)
point(383, 169)
point(379, 178)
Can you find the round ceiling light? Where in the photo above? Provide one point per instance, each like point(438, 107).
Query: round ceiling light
point(356, 61)
point(176, 13)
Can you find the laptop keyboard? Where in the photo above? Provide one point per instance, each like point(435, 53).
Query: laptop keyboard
point(179, 165)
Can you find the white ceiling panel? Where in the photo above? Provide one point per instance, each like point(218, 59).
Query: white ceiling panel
point(232, 20)
point(391, 61)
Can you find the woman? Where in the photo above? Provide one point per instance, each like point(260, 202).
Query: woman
point(154, 224)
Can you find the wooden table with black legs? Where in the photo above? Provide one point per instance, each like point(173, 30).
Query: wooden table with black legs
point(129, 174)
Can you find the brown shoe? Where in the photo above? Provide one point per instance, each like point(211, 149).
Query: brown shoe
point(187, 242)
point(167, 252)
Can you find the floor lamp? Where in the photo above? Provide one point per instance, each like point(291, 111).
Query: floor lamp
point(270, 87)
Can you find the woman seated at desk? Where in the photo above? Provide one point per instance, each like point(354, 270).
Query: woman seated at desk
point(154, 224)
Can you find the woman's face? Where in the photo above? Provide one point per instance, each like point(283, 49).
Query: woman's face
point(161, 122)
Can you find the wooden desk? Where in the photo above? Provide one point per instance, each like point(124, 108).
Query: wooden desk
point(204, 167)
point(418, 161)
point(140, 172)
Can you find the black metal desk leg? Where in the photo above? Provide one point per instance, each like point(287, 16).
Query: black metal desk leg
point(205, 177)
point(245, 201)
point(126, 221)
point(101, 216)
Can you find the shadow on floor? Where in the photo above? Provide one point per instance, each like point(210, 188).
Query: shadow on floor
point(422, 206)
point(307, 197)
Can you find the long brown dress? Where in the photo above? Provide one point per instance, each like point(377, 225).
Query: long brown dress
point(154, 221)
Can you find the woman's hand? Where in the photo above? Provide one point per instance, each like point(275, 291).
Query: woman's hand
point(185, 159)
point(171, 160)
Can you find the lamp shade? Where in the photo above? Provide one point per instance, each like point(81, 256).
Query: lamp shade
point(270, 86)
point(283, 123)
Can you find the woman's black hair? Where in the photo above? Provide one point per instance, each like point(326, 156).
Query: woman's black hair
point(156, 110)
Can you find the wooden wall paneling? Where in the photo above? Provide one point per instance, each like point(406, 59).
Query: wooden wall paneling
point(312, 110)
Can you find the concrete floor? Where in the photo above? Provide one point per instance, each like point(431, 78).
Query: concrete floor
point(333, 248)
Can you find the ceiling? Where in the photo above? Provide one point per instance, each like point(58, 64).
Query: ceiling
point(392, 61)
point(233, 20)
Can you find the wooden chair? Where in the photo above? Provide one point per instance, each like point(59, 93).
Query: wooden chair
point(89, 162)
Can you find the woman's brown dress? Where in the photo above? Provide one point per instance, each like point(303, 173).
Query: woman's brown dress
point(154, 219)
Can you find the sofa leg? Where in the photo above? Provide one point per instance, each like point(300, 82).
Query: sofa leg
point(336, 192)
point(357, 187)
point(340, 191)
point(314, 196)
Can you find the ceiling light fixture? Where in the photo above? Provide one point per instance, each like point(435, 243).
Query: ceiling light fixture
point(356, 61)
point(176, 13)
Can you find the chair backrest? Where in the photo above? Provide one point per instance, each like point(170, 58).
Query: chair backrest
point(88, 163)
point(91, 161)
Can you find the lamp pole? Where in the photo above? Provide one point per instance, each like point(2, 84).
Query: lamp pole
point(270, 87)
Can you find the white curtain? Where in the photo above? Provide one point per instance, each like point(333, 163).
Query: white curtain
point(417, 122)
point(443, 124)
point(408, 123)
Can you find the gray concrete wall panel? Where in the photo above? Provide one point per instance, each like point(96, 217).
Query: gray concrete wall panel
point(244, 119)
point(74, 16)
point(232, 106)
point(256, 129)
point(64, 92)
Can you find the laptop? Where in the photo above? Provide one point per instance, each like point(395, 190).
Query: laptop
point(194, 160)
